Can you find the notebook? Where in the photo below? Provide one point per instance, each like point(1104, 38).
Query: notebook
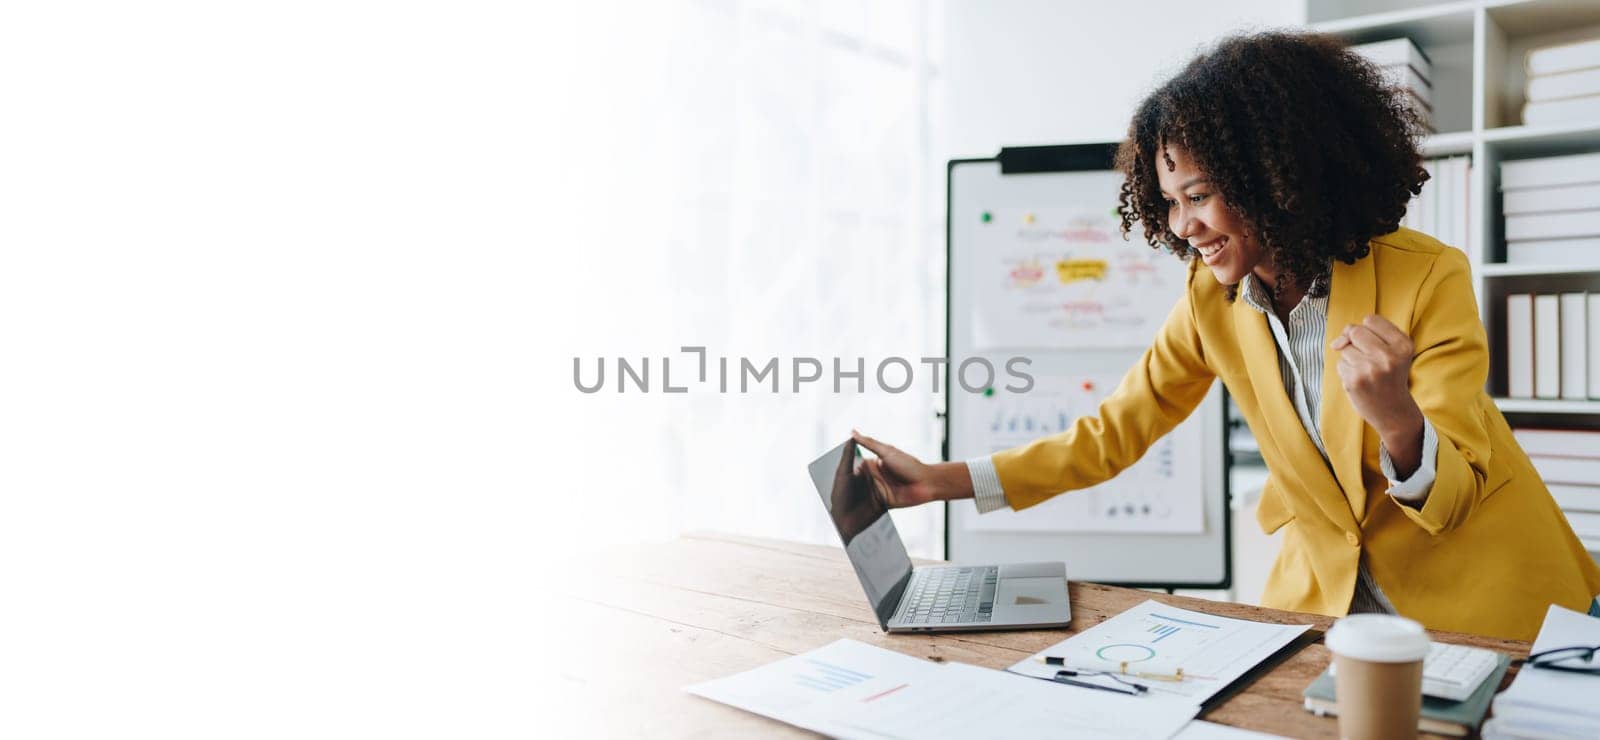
point(1440, 716)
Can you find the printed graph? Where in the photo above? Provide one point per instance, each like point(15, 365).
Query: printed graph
point(1191, 653)
point(1160, 639)
point(826, 677)
point(1163, 631)
point(1175, 620)
point(1154, 494)
point(1166, 626)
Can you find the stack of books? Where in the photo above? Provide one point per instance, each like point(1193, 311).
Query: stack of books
point(1440, 716)
point(1569, 462)
point(1407, 69)
point(1553, 346)
point(1563, 84)
point(1441, 210)
point(1552, 210)
point(1551, 704)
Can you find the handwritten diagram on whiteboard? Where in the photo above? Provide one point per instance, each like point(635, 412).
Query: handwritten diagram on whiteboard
point(1050, 276)
point(1155, 494)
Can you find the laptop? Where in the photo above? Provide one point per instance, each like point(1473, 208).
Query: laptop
point(950, 598)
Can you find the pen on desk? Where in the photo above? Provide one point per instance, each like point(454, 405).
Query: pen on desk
point(1131, 689)
point(1123, 669)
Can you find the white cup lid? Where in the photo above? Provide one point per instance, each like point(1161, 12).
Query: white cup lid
point(1380, 638)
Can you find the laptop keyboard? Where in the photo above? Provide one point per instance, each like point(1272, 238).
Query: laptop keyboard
point(945, 595)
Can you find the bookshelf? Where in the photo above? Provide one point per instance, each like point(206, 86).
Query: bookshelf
point(1542, 406)
point(1477, 49)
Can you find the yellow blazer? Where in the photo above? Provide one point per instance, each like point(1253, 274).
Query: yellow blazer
point(1488, 551)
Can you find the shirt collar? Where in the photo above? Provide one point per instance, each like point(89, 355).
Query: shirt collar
point(1256, 296)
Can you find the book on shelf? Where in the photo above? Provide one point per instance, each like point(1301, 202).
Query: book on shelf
point(1576, 498)
point(1424, 113)
point(1574, 347)
point(1439, 716)
point(1566, 85)
point(1441, 210)
point(1519, 345)
point(1572, 471)
point(1399, 52)
point(1593, 322)
point(1464, 200)
point(1563, 225)
point(1585, 524)
point(1565, 110)
point(1546, 200)
point(1539, 442)
point(1444, 207)
point(1554, 252)
point(1547, 346)
point(1405, 78)
point(1568, 169)
point(1559, 58)
point(1427, 208)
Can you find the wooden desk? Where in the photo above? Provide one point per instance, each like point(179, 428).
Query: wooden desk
point(656, 618)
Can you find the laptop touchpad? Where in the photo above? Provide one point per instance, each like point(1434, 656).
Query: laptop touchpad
point(1023, 592)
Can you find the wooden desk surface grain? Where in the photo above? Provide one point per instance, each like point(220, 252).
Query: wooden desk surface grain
point(648, 620)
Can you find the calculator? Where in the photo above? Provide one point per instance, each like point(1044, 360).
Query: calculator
point(1454, 671)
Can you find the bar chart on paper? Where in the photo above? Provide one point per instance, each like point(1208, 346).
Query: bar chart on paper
point(844, 671)
point(1168, 626)
point(1156, 638)
point(823, 676)
point(1152, 495)
point(1189, 636)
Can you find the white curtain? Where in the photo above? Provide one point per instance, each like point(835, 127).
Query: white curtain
point(796, 210)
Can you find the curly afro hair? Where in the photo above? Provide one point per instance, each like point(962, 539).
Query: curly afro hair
point(1305, 141)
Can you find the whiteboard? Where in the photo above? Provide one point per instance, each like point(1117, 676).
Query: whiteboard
point(1037, 268)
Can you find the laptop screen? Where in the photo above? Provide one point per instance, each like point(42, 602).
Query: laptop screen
point(864, 526)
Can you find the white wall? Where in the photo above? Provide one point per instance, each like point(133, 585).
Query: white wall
point(1023, 72)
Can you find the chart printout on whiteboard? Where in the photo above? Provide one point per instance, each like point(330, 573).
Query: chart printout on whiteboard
point(1053, 278)
point(1154, 495)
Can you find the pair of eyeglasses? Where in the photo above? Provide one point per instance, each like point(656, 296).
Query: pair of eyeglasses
point(1576, 659)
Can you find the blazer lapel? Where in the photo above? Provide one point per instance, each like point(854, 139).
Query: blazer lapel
point(1352, 297)
point(1283, 422)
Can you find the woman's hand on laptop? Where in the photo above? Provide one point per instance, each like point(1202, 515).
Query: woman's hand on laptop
point(901, 480)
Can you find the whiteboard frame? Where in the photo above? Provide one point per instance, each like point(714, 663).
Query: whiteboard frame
point(1135, 560)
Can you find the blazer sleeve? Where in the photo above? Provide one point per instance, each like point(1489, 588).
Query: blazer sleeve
point(1158, 392)
point(1448, 372)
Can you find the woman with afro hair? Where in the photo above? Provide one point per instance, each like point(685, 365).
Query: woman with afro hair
point(1279, 165)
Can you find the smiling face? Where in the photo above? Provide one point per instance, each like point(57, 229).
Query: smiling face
point(1197, 214)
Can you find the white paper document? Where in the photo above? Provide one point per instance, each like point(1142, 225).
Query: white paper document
point(960, 701)
point(1158, 639)
point(805, 689)
point(1202, 730)
point(851, 690)
point(1556, 703)
point(1158, 493)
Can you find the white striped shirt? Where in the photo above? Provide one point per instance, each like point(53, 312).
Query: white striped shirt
point(1300, 357)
